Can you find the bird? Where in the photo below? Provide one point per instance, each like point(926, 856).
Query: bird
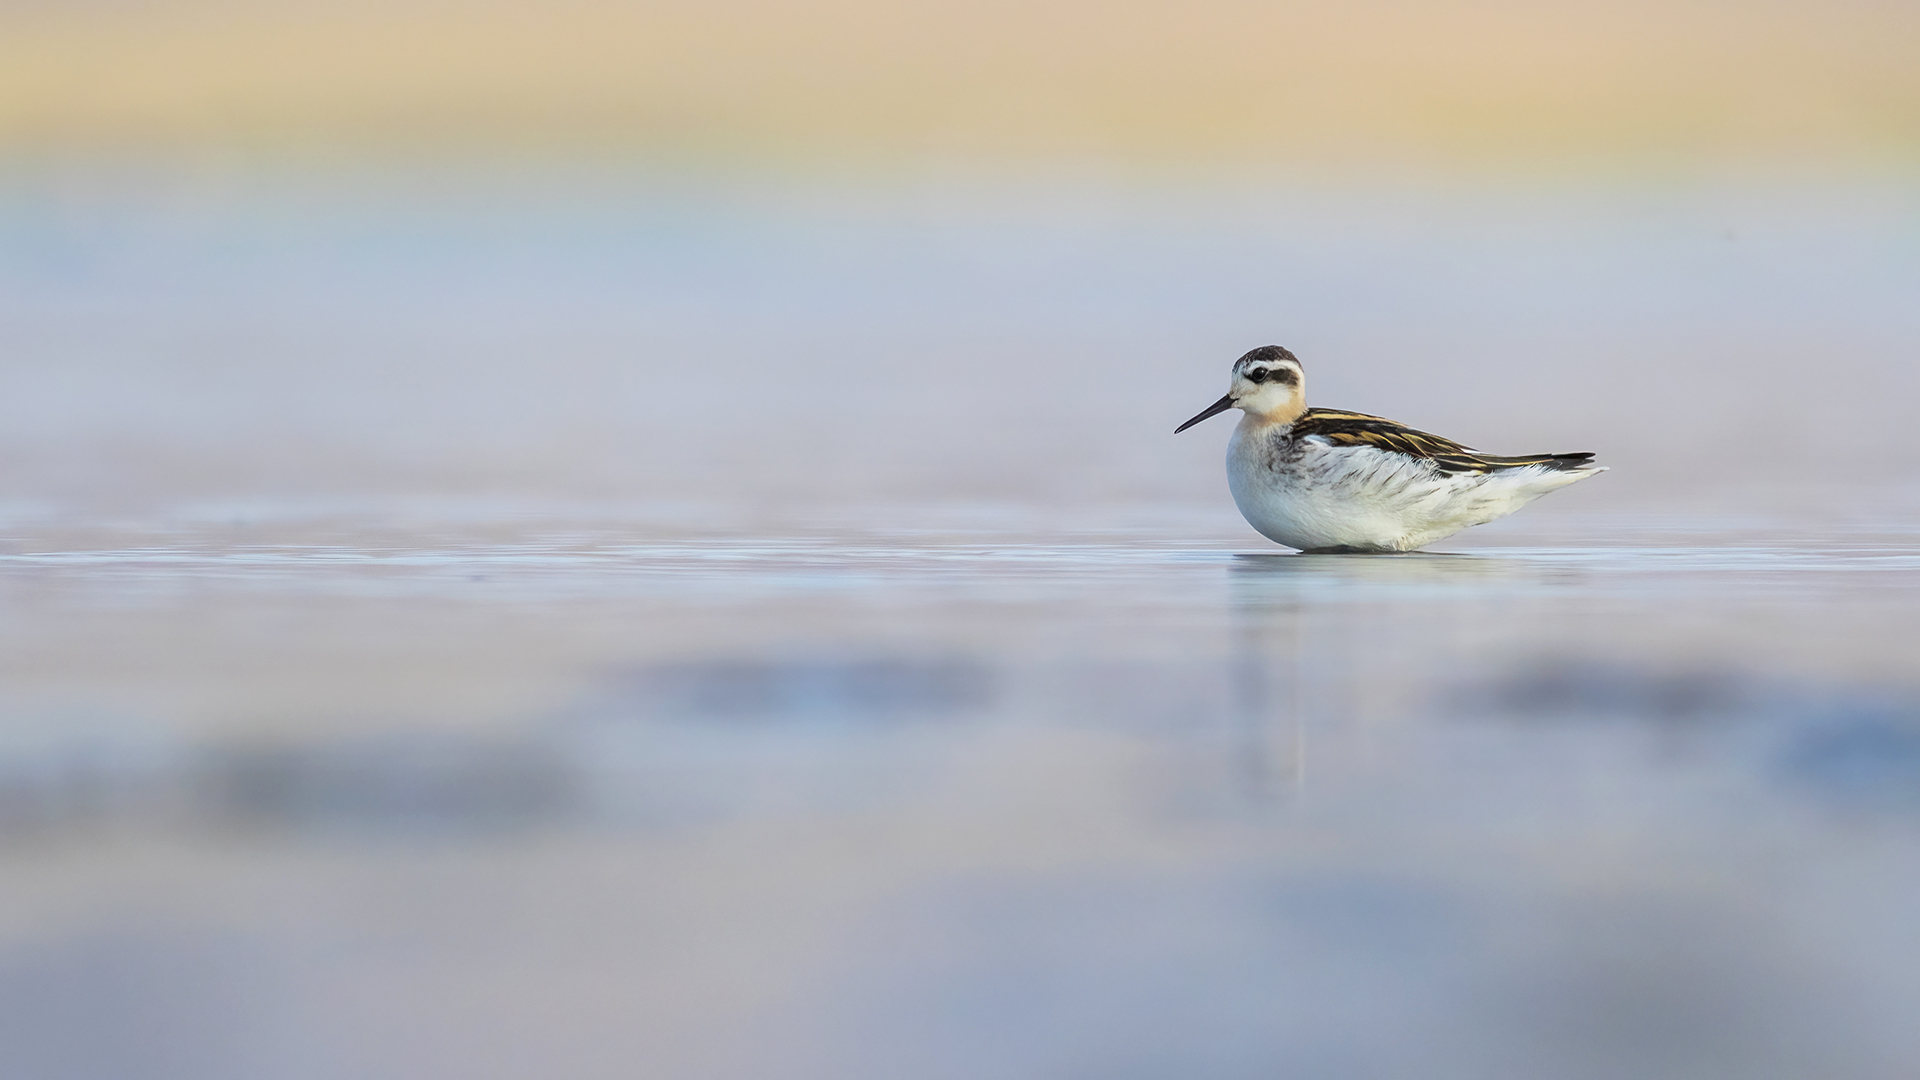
point(1332, 481)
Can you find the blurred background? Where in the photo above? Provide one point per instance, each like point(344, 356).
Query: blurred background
point(513, 248)
point(643, 539)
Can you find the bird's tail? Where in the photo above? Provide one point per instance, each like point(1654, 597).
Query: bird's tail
point(1555, 462)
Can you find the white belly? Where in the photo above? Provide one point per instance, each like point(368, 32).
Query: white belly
point(1364, 499)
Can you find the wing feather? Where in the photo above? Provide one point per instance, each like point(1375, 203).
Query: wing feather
point(1343, 428)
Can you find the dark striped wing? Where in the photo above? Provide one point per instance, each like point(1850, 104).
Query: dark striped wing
point(1358, 429)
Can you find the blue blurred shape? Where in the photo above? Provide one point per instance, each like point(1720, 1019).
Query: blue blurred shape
point(872, 688)
point(1865, 758)
point(413, 784)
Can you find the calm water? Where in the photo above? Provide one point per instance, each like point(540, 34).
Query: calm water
point(959, 799)
point(752, 639)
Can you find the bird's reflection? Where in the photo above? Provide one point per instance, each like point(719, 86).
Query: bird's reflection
point(1400, 568)
point(1297, 664)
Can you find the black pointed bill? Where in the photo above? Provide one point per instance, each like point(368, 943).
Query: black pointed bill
point(1214, 409)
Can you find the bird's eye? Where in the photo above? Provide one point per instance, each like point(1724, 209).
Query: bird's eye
point(1257, 375)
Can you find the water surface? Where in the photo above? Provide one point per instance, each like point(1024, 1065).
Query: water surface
point(957, 793)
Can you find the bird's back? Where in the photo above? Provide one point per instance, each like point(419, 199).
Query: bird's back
point(1342, 428)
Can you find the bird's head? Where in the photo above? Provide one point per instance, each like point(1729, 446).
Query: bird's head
point(1268, 384)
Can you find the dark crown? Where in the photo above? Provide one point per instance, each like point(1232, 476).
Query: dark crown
point(1266, 354)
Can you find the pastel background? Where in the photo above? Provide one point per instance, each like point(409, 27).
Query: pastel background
point(600, 539)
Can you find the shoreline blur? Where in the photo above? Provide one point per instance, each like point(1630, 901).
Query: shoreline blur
point(1491, 87)
point(657, 337)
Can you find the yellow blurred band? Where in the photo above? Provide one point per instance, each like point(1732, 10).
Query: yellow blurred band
point(1209, 81)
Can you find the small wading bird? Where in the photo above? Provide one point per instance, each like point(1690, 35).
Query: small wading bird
point(1324, 480)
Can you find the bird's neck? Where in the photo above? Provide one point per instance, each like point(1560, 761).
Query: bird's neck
point(1278, 417)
